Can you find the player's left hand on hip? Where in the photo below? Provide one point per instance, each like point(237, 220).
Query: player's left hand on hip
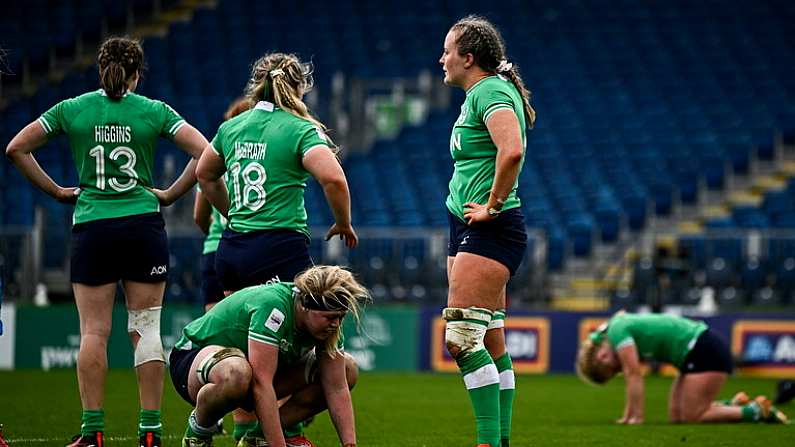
point(475, 212)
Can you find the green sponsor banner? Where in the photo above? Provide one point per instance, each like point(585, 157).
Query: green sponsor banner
point(387, 339)
point(49, 337)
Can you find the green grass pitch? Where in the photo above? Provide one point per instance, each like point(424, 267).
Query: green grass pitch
point(42, 409)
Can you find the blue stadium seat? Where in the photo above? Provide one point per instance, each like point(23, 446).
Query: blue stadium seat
point(638, 103)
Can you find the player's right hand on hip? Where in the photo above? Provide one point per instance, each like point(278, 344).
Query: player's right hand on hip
point(67, 195)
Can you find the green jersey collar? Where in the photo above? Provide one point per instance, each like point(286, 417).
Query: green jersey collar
point(478, 83)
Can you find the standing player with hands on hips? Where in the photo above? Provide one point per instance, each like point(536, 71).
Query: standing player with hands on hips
point(487, 231)
point(118, 232)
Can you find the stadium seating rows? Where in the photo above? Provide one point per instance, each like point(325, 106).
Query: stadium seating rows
point(637, 102)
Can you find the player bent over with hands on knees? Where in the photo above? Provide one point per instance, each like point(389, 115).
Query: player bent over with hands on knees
point(268, 342)
point(699, 353)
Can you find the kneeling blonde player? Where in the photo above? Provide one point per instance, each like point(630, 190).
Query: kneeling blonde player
point(699, 353)
point(266, 343)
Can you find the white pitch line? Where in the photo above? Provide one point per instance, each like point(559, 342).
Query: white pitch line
point(63, 441)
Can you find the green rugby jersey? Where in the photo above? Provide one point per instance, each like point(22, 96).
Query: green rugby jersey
point(262, 149)
point(113, 144)
point(263, 313)
point(471, 147)
point(661, 337)
point(217, 227)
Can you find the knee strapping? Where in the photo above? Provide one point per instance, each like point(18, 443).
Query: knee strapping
point(206, 365)
point(465, 329)
point(497, 320)
point(146, 323)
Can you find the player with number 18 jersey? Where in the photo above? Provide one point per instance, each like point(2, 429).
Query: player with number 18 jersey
point(262, 150)
point(266, 155)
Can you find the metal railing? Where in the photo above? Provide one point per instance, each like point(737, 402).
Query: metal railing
point(21, 259)
point(740, 267)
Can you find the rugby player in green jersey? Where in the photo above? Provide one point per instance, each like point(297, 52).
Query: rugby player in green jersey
point(698, 352)
point(213, 224)
point(267, 155)
point(487, 230)
point(266, 343)
point(118, 232)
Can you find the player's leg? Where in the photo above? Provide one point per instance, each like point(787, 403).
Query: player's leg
point(696, 397)
point(700, 386)
point(144, 272)
point(144, 302)
point(94, 307)
point(785, 391)
point(495, 344)
point(675, 401)
point(704, 371)
point(93, 281)
point(227, 268)
point(475, 288)
point(216, 382)
point(305, 391)
point(301, 397)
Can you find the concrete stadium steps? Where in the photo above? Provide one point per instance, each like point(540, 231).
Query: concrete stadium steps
point(586, 284)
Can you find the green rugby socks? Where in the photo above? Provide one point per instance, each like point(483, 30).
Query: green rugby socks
point(149, 420)
point(241, 428)
point(93, 421)
point(507, 393)
point(483, 384)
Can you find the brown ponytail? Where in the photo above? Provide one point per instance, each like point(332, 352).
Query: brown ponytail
point(119, 60)
point(479, 37)
point(529, 111)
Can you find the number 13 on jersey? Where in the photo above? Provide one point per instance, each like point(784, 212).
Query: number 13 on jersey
point(127, 168)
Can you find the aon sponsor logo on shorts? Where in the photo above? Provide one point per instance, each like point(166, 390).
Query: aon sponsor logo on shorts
point(158, 270)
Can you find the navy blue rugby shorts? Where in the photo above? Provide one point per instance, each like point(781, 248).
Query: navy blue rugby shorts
point(502, 239)
point(134, 248)
point(212, 290)
point(250, 259)
point(709, 353)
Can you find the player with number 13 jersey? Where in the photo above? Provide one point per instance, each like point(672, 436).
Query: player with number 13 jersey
point(118, 233)
point(114, 144)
